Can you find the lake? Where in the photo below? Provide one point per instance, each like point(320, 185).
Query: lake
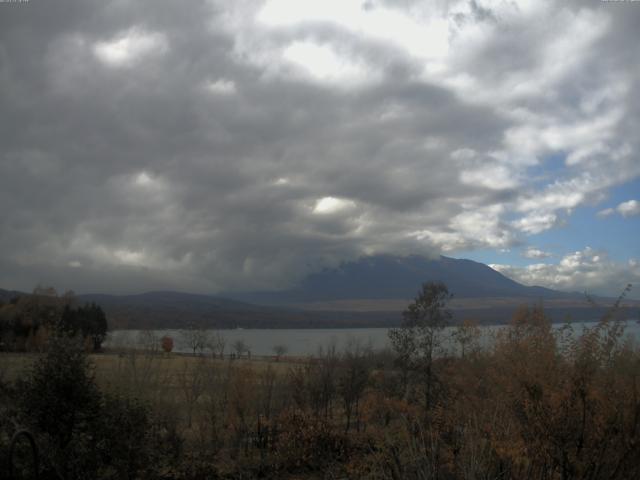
point(300, 342)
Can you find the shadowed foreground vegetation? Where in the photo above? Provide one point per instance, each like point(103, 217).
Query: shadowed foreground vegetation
point(537, 404)
point(27, 321)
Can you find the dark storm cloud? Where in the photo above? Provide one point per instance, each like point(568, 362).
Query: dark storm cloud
point(155, 145)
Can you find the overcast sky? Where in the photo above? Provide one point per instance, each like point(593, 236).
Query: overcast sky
point(211, 146)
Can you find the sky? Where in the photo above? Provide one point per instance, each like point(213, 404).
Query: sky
point(217, 146)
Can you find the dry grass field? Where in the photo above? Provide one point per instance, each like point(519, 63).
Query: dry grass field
point(109, 363)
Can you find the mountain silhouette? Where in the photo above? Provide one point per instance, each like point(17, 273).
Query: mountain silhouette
point(371, 291)
point(396, 277)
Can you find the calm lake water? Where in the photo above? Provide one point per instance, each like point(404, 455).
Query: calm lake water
point(301, 341)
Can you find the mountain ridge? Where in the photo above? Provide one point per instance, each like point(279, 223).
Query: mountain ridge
point(370, 292)
point(397, 277)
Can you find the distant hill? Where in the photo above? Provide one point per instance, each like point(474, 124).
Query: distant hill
point(394, 277)
point(166, 309)
point(370, 292)
point(382, 286)
point(174, 302)
point(6, 295)
point(176, 309)
point(179, 310)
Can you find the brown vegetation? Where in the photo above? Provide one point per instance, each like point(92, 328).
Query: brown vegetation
point(27, 321)
point(538, 403)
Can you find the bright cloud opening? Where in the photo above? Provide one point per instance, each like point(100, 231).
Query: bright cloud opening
point(129, 257)
point(143, 179)
point(425, 36)
point(221, 87)
point(328, 205)
point(322, 63)
point(130, 46)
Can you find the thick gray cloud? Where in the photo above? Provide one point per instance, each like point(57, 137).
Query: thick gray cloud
point(239, 145)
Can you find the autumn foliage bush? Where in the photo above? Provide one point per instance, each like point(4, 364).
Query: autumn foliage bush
point(308, 443)
point(166, 343)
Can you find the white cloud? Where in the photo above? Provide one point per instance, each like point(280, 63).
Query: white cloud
point(492, 175)
point(586, 270)
point(536, 222)
point(130, 46)
point(143, 179)
point(324, 64)
point(422, 34)
point(607, 212)
point(329, 205)
point(221, 86)
point(629, 208)
point(130, 257)
point(494, 171)
point(474, 228)
point(536, 253)
point(565, 194)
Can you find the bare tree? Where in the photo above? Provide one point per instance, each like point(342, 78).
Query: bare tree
point(148, 342)
point(353, 379)
point(141, 371)
point(240, 347)
point(192, 380)
point(217, 344)
point(279, 351)
point(466, 335)
point(420, 337)
point(321, 380)
point(266, 382)
point(196, 338)
point(215, 404)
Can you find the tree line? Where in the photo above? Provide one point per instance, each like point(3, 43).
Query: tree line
point(27, 321)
